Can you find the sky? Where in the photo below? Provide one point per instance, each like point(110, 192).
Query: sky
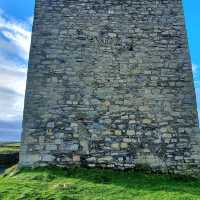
point(16, 18)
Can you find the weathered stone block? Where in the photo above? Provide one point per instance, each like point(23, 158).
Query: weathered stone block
point(115, 146)
point(123, 145)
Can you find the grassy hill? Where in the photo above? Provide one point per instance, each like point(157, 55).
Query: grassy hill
point(9, 154)
point(9, 148)
point(94, 184)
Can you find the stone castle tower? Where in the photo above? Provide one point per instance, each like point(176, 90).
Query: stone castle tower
point(110, 84)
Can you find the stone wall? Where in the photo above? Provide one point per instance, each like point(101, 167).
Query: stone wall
point(110, 84)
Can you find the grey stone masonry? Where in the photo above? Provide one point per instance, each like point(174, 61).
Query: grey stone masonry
point(110, 85)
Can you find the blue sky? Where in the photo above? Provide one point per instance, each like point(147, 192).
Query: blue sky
point(16, 18)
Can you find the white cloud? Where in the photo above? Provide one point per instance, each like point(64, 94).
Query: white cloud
point(196, 75)
point(17, 34)
point(12, 87)
point(30, 20)
point(13, 76)
point(11, 105)
point(15, 37)
point(194, 68)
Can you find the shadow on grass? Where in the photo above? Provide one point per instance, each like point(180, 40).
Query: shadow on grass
point(125, 179)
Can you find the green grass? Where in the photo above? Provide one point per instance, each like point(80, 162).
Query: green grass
point(9, 148)
point(94, 184)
